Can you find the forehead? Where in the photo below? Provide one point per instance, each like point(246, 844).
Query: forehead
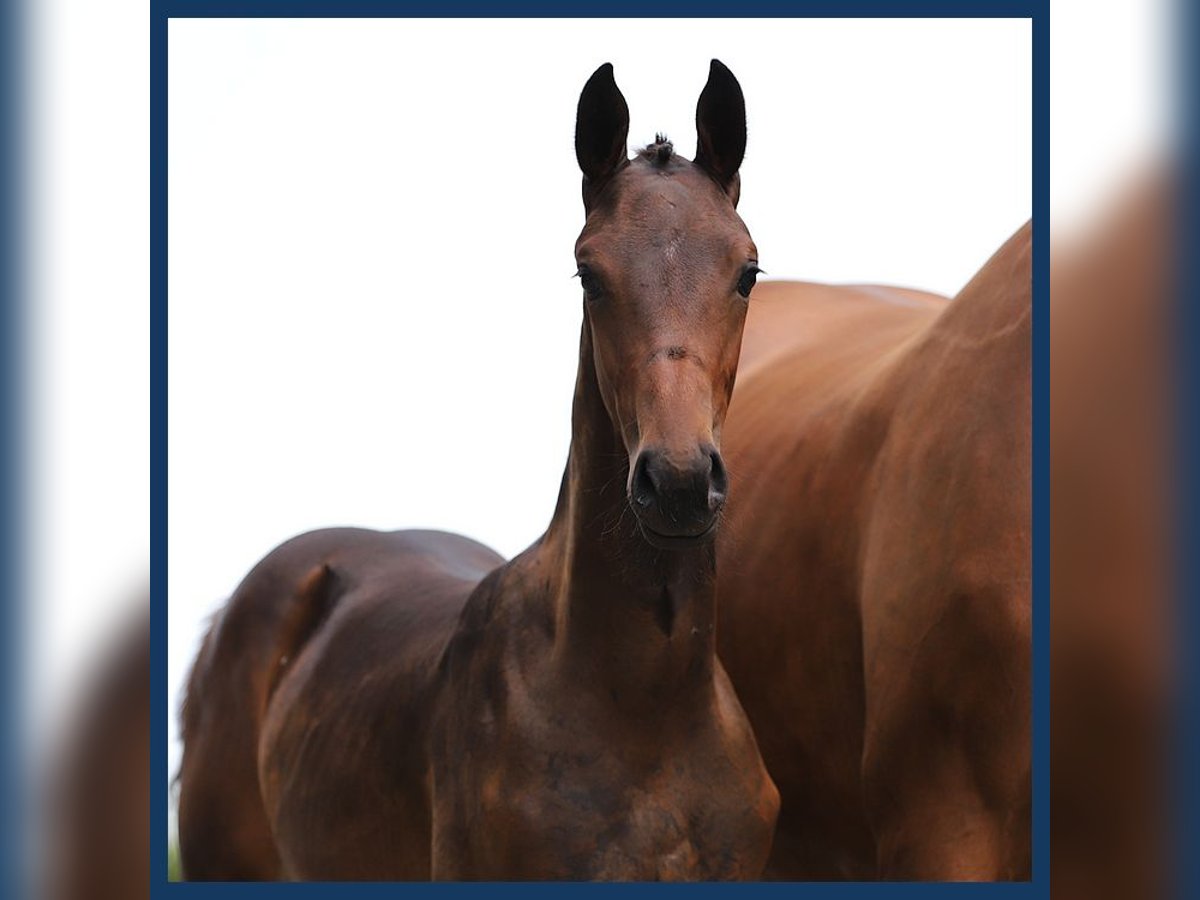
point(648, 206)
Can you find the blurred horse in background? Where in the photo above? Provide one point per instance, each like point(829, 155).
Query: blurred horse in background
point(97, 831)
point(1113, 653)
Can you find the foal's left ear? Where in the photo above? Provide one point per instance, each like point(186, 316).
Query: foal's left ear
point(721, 128)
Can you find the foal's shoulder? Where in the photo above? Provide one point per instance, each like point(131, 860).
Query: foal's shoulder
point(507, 620)
point(512, 601)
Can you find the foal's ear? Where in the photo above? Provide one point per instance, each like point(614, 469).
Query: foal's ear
point(601, 127)
point(721, 128)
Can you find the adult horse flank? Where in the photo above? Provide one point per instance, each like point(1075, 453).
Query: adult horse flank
point(874, 574)
point(409, 706)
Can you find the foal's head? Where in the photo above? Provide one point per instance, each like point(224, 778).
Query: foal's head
point(667, 267)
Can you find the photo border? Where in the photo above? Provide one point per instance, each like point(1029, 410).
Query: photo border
point(14, 544)
point(161, 11)
point(1183, 773)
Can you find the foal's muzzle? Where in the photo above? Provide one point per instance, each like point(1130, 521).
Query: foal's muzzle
point(677, 501)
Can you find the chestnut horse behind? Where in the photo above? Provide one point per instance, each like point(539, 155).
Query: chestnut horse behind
point(407, 706)
point(875, 573)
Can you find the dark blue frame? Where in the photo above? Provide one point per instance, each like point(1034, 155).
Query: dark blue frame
point(1184, 771)
point(12, 556)
point(1036, 10)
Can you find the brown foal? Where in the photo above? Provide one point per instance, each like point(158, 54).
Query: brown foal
point(408, 706)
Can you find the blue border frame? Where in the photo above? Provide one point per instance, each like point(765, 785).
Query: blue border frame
point(13, 796)
point(1184, 775)
point(1036, 10)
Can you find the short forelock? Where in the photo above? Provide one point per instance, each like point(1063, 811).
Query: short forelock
point(659, 153)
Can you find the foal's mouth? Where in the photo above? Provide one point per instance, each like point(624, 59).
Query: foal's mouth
point(678, 541)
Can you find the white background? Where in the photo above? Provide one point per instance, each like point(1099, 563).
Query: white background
point(336, 189)
point(372, 319)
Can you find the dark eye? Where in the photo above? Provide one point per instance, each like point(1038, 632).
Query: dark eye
point(591, 284)
point(746, 283)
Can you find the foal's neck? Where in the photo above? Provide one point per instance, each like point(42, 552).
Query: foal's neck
point(634, 618)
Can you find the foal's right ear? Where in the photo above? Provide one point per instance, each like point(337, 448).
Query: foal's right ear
point(601, 127)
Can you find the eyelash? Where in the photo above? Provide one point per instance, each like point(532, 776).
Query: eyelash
point(589, 282)
point(751, 276)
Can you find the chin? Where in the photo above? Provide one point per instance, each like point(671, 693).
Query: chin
point(678, 541)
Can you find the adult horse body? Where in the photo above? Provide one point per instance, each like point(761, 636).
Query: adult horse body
point(874, 575)
point(404, 706)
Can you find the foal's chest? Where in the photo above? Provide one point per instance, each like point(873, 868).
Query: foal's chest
point(587, 811)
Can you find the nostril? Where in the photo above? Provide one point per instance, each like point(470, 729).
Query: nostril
point(719, 480)
point(643, 485)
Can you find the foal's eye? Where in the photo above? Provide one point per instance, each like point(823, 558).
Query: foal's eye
point(591, 284)
point(746, 283)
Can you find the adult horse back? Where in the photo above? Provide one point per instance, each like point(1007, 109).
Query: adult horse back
point(405, 706)
point(875, 573)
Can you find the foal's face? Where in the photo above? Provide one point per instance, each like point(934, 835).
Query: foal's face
point(667, 267)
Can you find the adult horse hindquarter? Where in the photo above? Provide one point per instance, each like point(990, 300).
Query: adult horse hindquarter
point(875, 574)
point(407, 706)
